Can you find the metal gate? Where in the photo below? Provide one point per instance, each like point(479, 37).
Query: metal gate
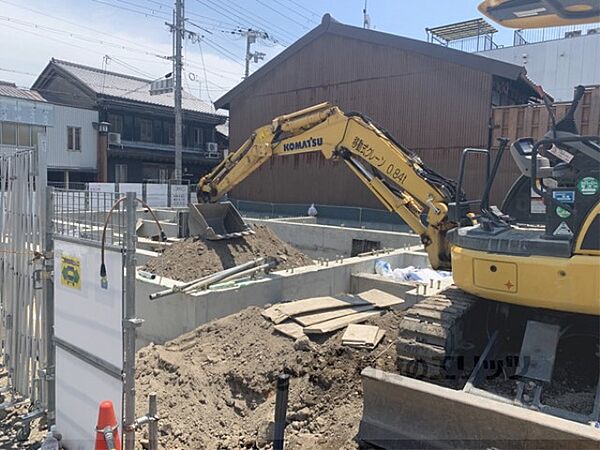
point(22, 306)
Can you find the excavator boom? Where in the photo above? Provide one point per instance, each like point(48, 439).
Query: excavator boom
point(391, 172)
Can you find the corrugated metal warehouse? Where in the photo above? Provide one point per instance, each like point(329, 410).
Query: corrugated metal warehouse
point(433, 99)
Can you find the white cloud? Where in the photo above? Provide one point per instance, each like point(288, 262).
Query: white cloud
point(28, 48)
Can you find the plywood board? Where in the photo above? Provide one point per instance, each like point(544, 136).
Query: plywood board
point(360, 334)
point(290, 329)
point(379, 298)
point(378, 339)
point(308, 319)
point(341, 322)
point(280, 312)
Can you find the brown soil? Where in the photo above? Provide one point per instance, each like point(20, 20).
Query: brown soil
point(216, 385)
point(195, 258)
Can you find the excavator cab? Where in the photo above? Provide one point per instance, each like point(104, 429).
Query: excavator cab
point(216, 221)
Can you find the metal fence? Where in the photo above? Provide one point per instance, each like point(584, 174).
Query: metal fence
point(83, 215)
point(326, 214)
point(103, 223)
point(22, 309)
point(531, 36)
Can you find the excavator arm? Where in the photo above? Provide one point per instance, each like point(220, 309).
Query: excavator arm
point(391, 172)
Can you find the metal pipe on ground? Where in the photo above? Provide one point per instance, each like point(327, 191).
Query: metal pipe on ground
point(153, 424)
point(205, 281)
point(246, 273)
point(281, 402)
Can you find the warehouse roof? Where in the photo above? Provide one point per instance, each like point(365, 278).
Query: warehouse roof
point(117, 85)
point(331, 26)
point(9, 89)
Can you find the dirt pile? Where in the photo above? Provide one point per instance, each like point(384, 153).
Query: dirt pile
point(216, 385)
point(194, 258)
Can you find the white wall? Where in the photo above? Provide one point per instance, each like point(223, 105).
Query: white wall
point(58, 155)
point(557, 65)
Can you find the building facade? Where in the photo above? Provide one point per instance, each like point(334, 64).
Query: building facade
point(24, 115)
point(140, 145)
point(72, 145)
point(434, 100)
point(559, 64)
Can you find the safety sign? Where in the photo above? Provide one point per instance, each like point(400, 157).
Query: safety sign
point(70, 272)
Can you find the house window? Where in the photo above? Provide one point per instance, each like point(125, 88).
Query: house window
point(120, 173)
point(24, 135)
point(116, 123)
point(171, 130)
point(74, 139)
point(145, 130)
point(163, 174)
point(198, 137)
point(34, 134)
point(9, 134)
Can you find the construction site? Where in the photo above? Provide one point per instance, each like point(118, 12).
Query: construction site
point(379, 295)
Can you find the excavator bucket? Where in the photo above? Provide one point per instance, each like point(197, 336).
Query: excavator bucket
point(215, 221)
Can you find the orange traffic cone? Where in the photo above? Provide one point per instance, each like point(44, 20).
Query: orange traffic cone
point(107, 430)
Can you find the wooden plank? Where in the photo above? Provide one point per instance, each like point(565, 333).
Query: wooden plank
point(290, 329)
point(278, 313)
point(360, 334)
point(380, 335)
point(379, 298)
point(341, 322)
point(309, 319)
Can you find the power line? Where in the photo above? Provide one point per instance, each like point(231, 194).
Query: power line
point(295, 11)
point(246, 18)
point(81, 37)
point(281, 14)
point(149, 15)
point(305, 8)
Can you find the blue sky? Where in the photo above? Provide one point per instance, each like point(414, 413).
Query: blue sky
point(133, 35)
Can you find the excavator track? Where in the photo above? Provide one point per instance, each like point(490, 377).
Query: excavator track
point(431, 343)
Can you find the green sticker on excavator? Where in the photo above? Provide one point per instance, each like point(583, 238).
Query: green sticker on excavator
point(562, 212)
point(588, 185)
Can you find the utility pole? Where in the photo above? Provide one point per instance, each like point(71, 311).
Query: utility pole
point(251, 36)
point(178, 34)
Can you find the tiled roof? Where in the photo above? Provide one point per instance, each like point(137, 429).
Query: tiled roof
point(128, 87)
point(8, 89)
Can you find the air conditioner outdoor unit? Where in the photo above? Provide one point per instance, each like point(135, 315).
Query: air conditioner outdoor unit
point(114, 138)
point(213, 150)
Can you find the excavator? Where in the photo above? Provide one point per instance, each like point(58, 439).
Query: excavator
point(520, 289)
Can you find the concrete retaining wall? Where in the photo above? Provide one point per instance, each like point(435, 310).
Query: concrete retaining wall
point(172, 316)
point(326, 241)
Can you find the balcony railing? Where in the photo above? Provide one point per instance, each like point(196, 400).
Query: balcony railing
point(138, 145)
point(535, 35)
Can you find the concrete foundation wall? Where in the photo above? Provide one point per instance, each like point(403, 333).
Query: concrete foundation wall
point(326, 241)
point(172, 316)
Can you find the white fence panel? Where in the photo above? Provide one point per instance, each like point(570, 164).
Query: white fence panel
point(157, 195)
point(80, 388)
point(85, 314)
point(101, 202)
point(179, 196)
point(138, 188)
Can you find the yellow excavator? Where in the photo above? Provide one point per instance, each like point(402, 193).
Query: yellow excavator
point(550, 274)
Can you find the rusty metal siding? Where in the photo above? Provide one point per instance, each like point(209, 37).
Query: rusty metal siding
point(434, 107)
